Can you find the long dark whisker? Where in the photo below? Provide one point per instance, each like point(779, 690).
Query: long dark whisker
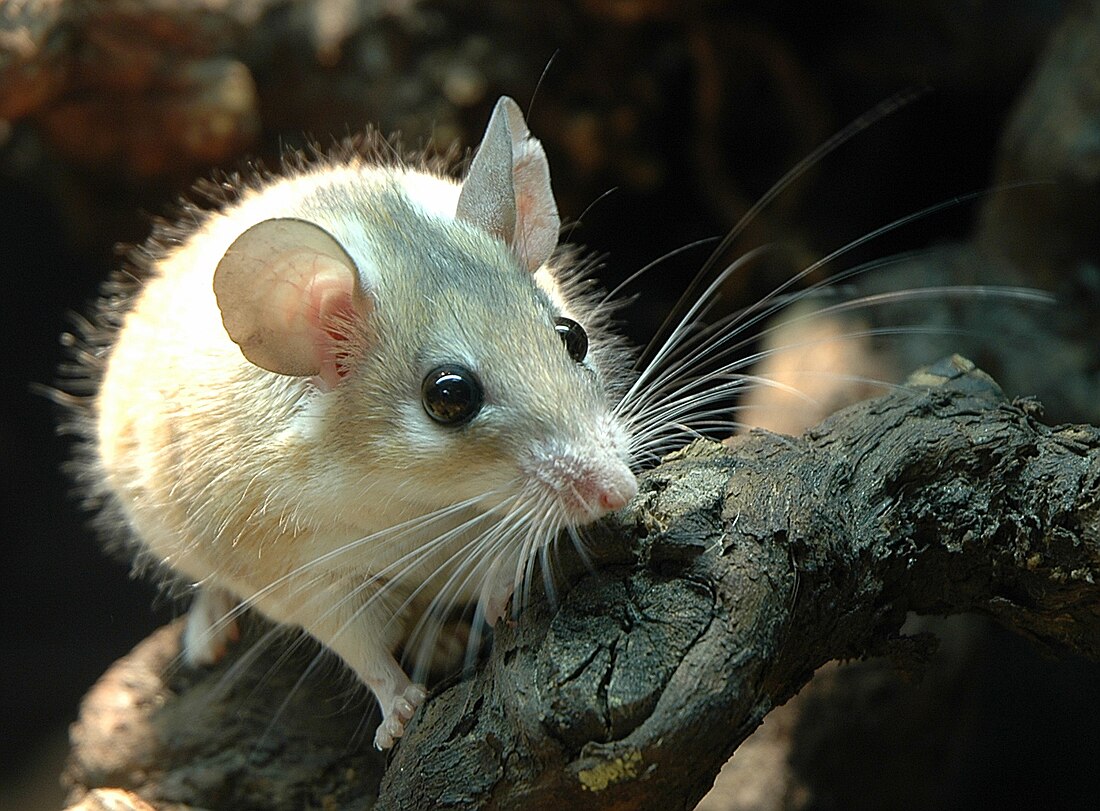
point(704, 303)
point(633, 277)
point(675, 375)
point(661, 413)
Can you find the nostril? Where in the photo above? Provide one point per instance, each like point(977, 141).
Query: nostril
point(587, 486)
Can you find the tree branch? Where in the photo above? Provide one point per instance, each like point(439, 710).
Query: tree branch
point(736, 572)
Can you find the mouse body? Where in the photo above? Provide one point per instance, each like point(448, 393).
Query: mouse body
point(358, 395)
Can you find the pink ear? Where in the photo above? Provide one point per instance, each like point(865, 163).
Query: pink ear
point(537, 220)
point(507, 191)
point(289, 297)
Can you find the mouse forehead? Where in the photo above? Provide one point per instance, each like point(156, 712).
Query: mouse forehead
point(482, 309)
point(447, 292)
point(451, 282)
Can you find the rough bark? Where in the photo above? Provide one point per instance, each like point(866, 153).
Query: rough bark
point(735, 573)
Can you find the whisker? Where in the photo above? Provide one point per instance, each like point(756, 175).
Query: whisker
point(679, 405)
point(633, 277)
point(704, 302)
point(858, 125)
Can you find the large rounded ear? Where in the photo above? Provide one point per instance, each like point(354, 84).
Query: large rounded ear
point(507, 191)
point(288, 294)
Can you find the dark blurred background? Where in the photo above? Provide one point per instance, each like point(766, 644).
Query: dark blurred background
point(663, 122)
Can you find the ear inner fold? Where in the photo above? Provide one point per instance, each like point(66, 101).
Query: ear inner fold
point(284, 288)
point(537, 220)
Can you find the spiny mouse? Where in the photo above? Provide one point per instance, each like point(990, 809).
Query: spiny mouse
point(361, 394)
point(356, 395)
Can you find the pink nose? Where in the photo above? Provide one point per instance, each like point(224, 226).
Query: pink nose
point(612, 501)
point(615, 495)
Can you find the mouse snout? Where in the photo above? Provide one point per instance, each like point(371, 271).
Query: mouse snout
point(585, 471)
point(611, 490)
point(586, 486)
point(616, 499)
point(596, 489)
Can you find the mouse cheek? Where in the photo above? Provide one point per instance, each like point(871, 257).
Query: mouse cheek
point(454, 465)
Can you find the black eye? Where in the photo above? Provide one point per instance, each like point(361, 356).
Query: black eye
point(451, 394)
point(573, 336)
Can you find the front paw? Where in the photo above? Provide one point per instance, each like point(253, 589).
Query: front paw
point(400, 712)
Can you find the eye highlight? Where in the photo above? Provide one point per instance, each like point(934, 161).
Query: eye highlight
point(451, 394)
point(573, 336)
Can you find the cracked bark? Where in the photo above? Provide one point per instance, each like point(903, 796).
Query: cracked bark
point(735, 573)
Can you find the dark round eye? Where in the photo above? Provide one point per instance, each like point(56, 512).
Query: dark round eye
point(573, 336)
point(451, 394)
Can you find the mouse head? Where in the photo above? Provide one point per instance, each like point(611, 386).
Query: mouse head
point(285, 285)
point(444, 343)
